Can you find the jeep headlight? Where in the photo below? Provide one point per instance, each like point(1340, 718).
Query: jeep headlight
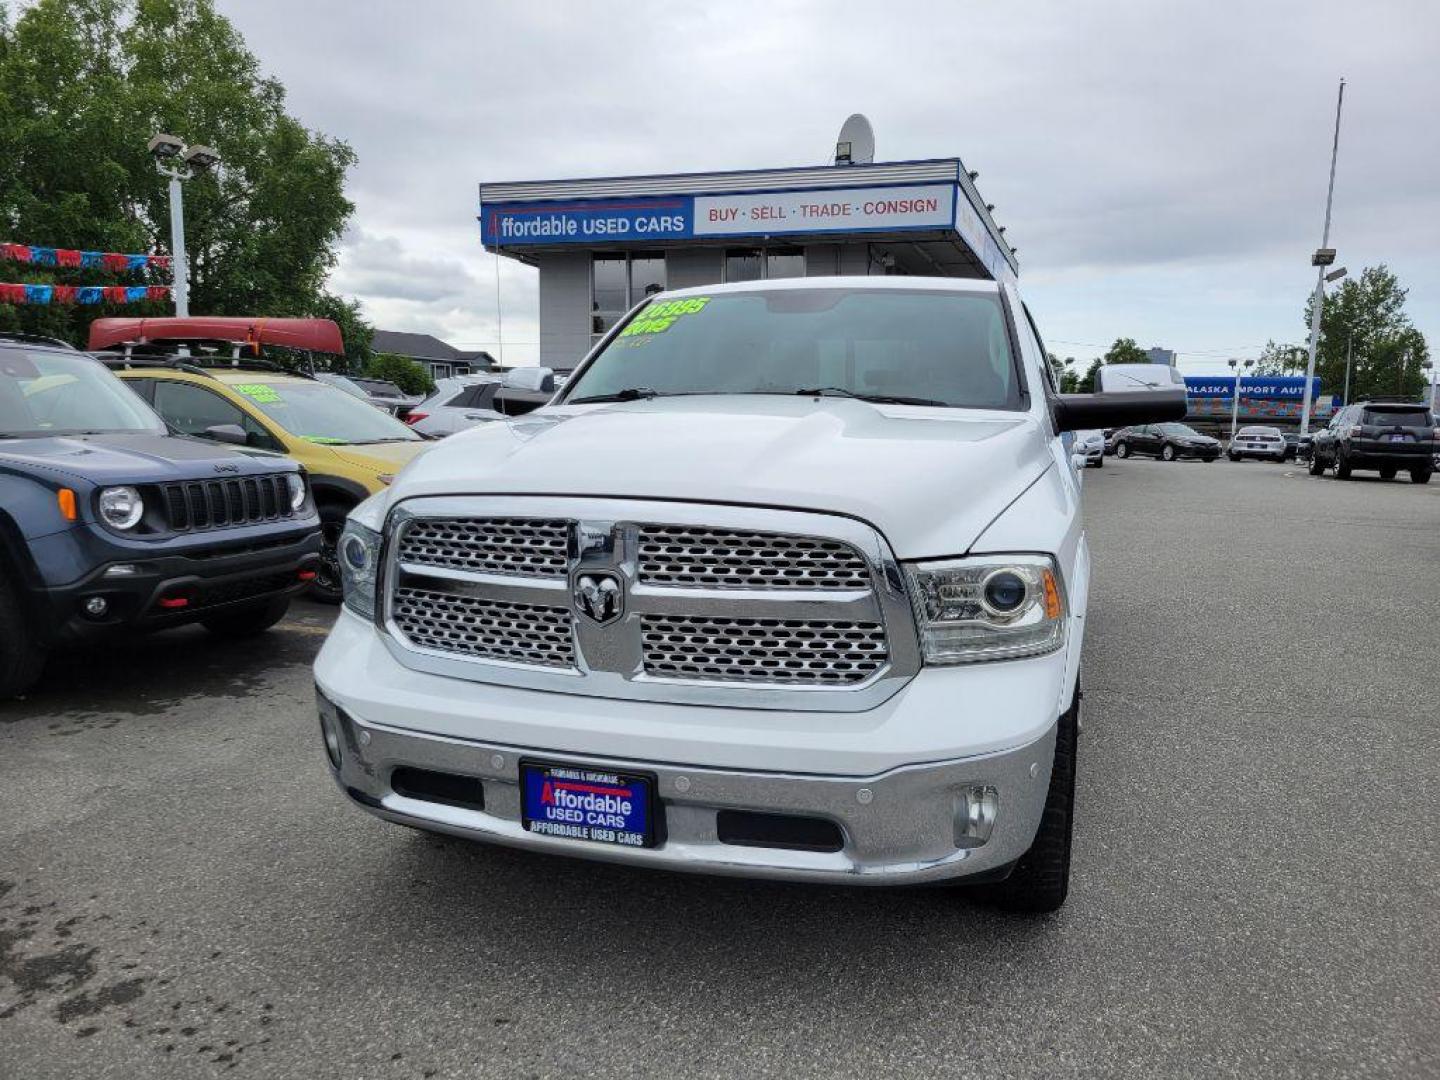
point(359, 555)
point(295, 487)
point(994, 607)
point(121, 507)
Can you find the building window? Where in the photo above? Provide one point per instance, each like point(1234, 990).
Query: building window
point(619, 282)
point(784, 262)
point(743, 264)
point(752, 264)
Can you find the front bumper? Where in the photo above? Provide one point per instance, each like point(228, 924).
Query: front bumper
point(210, 580)
point(904, 826)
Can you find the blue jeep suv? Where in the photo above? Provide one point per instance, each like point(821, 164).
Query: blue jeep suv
point(109, 524)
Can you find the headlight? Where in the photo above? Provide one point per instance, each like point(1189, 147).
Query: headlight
point(121, 507)
point(296, 485)
point(996, 607)
point(359, 556)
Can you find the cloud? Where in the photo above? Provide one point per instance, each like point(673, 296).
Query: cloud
point(1152, 161)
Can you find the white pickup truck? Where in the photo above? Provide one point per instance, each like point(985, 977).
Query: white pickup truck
point(789, 581)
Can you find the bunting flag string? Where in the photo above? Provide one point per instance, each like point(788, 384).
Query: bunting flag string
point(90, 260)
point(82, 294)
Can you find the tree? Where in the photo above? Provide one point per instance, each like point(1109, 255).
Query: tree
point(402, 371)
point(1281, 360)
point(1366, 317)
point(1125, 351)
point(83, 86)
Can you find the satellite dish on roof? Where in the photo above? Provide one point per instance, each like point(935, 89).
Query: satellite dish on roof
point(856, 144)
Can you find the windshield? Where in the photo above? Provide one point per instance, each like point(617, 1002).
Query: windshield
point(910, 346)
point(44, 392)
point(323, 414)
point(1178, 429)
point(1397, 417)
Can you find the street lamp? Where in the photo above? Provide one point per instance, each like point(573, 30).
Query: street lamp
point(1237, 367)
point(178, 162)
point(1322, 258)
point(1429, 369)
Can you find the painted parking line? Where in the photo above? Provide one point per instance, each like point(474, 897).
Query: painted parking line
point(302, 628)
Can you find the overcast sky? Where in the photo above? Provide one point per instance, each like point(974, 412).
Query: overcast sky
point(1161, 167)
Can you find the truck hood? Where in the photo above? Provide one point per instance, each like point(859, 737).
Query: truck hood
point(137, 459)
point(929, 481)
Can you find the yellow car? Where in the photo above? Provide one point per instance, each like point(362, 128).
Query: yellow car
point(350, 448)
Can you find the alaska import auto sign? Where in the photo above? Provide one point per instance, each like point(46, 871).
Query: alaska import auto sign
point(687, 217)
point(1263, 387)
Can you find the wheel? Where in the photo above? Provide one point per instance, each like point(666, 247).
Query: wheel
point(1167, 453)
point(249, 621)
point(1388, 473)
point(21, 659)
point(1316, 467)
point(1122, 449)
point(326, 586)
point(1232, 455)
point(1420, 476)
point(1099, 463)
point(1342, 467)
point(1041, 877)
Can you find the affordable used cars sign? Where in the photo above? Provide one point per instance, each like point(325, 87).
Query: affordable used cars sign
point(685, 217)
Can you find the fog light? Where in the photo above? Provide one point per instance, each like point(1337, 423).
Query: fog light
point(96, 607)
point(332, 739)
point(975, 813)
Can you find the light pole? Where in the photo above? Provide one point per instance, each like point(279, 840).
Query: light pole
point(1321, 259)
point(1429, 369)
point(178, 162)
point(1349, 348)
point(1237, 367)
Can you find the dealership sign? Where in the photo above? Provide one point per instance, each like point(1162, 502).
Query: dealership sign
point(1263, 387)
point(686, 217)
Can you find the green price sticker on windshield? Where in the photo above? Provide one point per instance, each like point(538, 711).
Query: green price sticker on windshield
point(260, 393)
point(657, 318)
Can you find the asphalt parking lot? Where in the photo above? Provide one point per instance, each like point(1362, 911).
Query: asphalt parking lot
point(184, 892)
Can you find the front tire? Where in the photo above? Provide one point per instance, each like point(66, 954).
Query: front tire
point(21, 659)
point(1167, 453)
point(1122, 449)
point(1420, 476)
point(1342, 467)
point(249, 621)
point(1388, 474)
point(1040, 880)
point(1099, 463)
point(1316, 467)
point(326, 586)
point(1233, 456)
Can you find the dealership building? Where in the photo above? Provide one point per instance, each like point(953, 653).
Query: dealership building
point(602, 245)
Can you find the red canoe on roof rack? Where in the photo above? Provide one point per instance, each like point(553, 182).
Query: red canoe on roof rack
point(317, 335)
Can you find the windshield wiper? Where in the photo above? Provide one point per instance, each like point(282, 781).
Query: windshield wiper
point(630, 393)
point(878, 399)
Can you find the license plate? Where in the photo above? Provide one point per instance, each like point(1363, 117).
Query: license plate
point(1399, 438)
point(575, 802)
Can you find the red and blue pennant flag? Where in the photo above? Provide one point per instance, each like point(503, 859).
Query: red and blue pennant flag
point(82, 294)
point(107, 260)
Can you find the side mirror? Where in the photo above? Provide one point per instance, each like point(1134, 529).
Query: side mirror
point(1077, 412)
point(227, 433)
point(537, 380)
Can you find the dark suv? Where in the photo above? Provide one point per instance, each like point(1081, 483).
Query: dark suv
point(1389, 437)
point(109, 524)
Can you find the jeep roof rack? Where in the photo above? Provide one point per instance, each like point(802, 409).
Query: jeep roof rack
point(35, 339)
point(205, 364)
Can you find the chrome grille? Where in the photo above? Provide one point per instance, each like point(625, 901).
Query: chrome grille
point(679, 555)
point(485, 629)
point(762, 650)
point(721, 605)
point(525, 547)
